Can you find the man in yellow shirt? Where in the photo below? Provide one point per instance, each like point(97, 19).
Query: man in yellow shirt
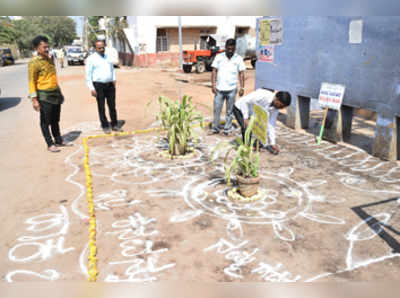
point(45, 93)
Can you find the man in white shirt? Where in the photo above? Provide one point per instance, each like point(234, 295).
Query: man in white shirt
point(271, 102)
point(227, 67)
point(100, 78)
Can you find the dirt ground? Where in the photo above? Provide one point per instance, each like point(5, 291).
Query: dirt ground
point(328, 212)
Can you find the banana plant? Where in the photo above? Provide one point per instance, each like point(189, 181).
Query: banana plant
point(177, 118)
point(245, 161)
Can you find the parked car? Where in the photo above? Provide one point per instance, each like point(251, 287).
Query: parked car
point(6, 57)
point(76, 55)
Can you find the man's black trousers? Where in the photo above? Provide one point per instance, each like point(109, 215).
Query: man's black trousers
point(239, 118)
point(50, 116)
point(106, 91)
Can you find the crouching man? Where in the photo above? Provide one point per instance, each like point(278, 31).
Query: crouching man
point(271, 102)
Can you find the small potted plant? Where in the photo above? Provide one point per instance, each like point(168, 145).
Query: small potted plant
point(245, 163)
point(178, 118)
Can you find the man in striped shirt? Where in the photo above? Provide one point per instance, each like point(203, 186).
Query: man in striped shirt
point(45, 93)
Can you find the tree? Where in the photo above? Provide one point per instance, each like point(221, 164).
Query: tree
point(118, 24)
point(93, 27)
point(8, 34)
point(25, 31)
point(62, 30)
point(59, 30)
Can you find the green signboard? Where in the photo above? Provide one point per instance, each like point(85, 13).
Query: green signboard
point(260, 126)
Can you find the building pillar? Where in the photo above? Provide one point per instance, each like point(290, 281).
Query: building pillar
point(333, 130)
point(338, 124)
point(386, 144)
point(298, 113)
point(347, 120)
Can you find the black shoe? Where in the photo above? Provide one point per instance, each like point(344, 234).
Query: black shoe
point(116, 128)
point(271, 150)
point(228, 133)
point(107, 130)
point(213, 132)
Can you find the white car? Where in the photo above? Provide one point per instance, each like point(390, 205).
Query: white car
point(76, 55)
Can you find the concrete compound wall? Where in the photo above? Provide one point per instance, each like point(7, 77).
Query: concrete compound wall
point(318, 49)
point(143, 29)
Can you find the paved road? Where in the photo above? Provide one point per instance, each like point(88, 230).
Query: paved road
point(13, 103)
point(15, 114)
point(15, 108)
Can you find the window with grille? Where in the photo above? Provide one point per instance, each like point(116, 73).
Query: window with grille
point(162, 40)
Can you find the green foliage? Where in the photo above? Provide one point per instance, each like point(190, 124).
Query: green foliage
point(26, 31)
point(178, 117)
point(59, 29)
point(93, 29)
point(245, 161)
point(8, 34)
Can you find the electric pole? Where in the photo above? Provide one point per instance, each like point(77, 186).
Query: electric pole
point(85, 33)
point(180, 42)
point(106, 29)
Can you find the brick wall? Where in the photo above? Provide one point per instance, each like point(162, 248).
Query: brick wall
point(158, 59)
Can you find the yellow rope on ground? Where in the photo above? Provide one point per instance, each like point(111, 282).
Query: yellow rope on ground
point(92, 259)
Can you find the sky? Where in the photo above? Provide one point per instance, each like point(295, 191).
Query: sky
point(79, 24)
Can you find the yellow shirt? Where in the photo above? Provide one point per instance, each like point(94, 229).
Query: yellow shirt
point(41, 75)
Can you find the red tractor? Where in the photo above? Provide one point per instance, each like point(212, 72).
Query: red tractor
point(201, 59)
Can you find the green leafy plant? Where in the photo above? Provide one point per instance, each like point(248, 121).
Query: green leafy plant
point(178, 117)
point(245, 161)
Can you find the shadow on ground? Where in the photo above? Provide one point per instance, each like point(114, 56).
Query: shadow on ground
point(362, 132)
point(71, 136)
point(9, 102)
point(387, 232)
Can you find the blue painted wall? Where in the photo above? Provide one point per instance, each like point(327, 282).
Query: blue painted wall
point(317, 49)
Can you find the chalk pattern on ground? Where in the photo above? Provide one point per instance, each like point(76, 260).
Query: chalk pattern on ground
point(124, 166)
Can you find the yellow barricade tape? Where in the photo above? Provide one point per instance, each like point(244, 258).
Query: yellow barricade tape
point(92, 259)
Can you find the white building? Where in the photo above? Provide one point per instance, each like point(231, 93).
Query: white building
point(158, 35)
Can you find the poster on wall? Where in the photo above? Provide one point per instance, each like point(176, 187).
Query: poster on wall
point(270, 31)
point(265, 54)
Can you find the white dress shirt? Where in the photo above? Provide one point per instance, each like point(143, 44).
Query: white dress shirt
point(263, 98)
point(99, 69)
point(228, 71)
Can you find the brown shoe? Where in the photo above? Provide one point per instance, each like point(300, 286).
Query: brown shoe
point(53, 149)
